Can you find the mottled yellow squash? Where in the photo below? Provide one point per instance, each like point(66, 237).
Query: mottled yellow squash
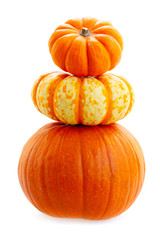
point(89, 101)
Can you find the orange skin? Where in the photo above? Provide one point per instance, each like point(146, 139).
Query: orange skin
point(82, 172)
point(90, 55)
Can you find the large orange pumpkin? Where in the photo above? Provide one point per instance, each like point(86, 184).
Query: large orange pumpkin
point(86, 47)
point(82, 172)
point(89, 101)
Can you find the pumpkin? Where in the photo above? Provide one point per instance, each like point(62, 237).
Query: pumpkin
point(89, 101)
point(86, 47)
point(82, 172)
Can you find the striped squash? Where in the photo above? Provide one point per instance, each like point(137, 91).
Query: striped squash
point(88, 101)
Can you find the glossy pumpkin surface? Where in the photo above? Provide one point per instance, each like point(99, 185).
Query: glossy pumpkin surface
point(89, 101)
point(82, 172)
point(86, 47)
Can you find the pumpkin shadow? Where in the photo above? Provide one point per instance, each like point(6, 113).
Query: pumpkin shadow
point(44, 217)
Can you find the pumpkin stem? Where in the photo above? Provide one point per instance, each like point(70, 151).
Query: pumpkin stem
point(85, 32)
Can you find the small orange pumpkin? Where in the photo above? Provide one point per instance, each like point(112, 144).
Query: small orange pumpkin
point(86, 47)
point(89, 101)
point(82, 172)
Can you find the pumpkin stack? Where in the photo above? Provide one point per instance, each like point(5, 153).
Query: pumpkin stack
point(70, 170)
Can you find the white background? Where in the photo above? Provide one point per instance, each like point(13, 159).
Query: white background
point(25, 29)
